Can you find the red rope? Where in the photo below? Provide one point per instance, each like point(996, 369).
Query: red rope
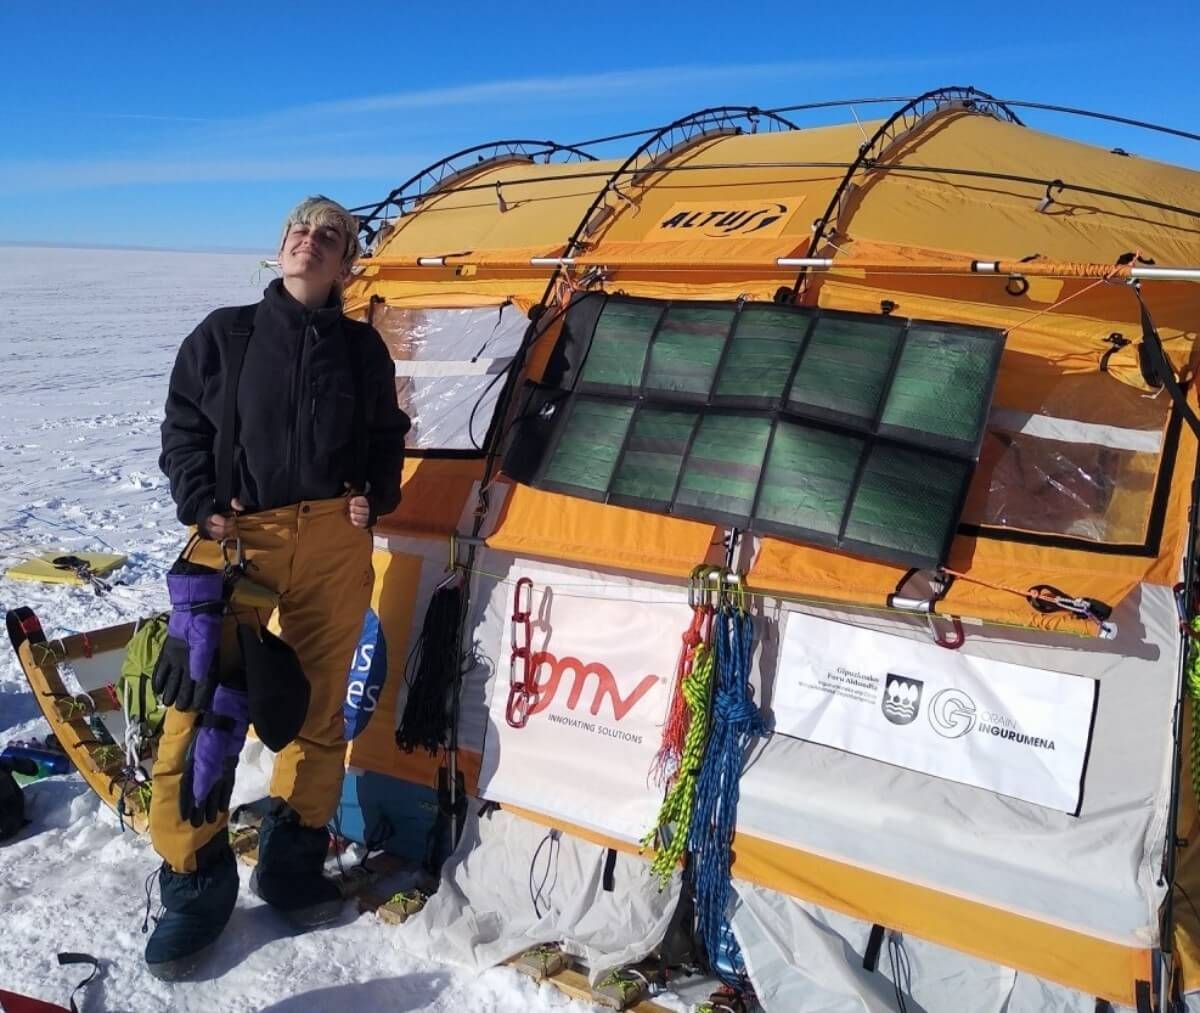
point(666, 761)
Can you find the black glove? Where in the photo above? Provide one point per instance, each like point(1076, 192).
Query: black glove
point(172, 680)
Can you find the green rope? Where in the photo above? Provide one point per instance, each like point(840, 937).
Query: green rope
point(1193, 685)
point(405, 897)
point(626, 985)
point(103, 755)
point(677, 807)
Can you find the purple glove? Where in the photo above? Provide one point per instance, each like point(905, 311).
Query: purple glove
point(185, 674)
point(211, 760)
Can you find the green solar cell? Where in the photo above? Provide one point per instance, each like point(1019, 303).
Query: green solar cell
point(618, 350)
point(687, 349)
point(587, 452)
point(907, 503)
point(653, 456)
point(721, 472)
point(844, 368)
point(761, 352)
point(941, 386)
point(808, 477)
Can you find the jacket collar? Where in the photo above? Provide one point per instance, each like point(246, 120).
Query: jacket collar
point(280, 302)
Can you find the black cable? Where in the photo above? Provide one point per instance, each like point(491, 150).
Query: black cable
point(430, 674)
point(1007, 177)
point(1109, 117)
point(901, 969)
point(551, 838)
point(837, 103)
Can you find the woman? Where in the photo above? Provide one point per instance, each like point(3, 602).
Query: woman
point(282, 441)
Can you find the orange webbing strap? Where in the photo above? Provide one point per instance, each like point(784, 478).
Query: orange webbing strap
point(1047, 598)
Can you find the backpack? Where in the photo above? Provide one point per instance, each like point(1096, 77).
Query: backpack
point(134, 687)
point(12, 804)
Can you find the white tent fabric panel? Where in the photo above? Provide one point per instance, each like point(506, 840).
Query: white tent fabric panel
point(806, 959)
point(483, 912)
point(1096, 873)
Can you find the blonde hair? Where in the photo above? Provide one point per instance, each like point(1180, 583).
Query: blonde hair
point(318, 211)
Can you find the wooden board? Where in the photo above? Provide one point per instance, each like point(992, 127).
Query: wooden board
point(572, 981)
point(67, 714)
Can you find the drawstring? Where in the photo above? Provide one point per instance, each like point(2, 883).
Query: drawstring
point(150, 903)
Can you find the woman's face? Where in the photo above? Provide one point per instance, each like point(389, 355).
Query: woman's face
point(314, 253)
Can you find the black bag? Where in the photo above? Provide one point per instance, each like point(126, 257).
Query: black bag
point(12, 800)
point(276, 685)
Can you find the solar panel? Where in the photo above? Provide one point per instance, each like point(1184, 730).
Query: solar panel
point(585, 456)
point(761, 351)
point(843, 373)
point(808, 481)
point(648, 472)
point(721, 471)
point(617, 354)
point(686, 351)
point(848, 430)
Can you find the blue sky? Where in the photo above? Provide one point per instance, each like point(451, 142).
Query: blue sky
point(197, 126)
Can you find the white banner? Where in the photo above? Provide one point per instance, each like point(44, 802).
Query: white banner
point(1018, 731)
point(603, 658)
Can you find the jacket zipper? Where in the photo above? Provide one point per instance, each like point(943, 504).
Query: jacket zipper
point(298, 378)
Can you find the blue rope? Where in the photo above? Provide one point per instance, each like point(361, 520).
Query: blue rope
point(735, 721)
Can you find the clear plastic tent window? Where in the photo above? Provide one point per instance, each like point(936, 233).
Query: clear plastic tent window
point(448, 365)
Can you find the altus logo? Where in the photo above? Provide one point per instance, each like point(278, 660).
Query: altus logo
point(548, 672)
point(726, 222)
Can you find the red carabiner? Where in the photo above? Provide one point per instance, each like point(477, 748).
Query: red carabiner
point(520, 686)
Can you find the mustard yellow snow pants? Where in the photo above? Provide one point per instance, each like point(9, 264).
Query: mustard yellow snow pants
point(320, 566)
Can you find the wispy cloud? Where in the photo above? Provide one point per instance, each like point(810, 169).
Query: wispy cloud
point(154, 117)
point(85, 174)
point(278, 144)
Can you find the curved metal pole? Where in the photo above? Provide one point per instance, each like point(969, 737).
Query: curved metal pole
point(439, 172)
point(908, 118)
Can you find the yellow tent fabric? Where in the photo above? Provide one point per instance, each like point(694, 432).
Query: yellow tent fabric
point(906, 234)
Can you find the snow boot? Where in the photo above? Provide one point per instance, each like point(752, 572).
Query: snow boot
point(290, 872)
point(196, 907)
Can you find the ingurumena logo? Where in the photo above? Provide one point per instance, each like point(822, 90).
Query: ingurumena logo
point(951, 713)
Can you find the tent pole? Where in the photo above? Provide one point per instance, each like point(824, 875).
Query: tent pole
point(1167, 915)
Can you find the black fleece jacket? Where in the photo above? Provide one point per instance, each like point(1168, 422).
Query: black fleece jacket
point(295, 410)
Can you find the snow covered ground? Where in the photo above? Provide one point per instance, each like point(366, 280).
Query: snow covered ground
point(87, 338)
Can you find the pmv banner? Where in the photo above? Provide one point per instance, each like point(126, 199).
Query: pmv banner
point(603, 659)
point(1012, 729)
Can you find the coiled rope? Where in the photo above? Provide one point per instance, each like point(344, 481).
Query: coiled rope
point(678, 807)
point(735, 721)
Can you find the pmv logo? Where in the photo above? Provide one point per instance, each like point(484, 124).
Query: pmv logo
point(548, 673)
point(901, 699)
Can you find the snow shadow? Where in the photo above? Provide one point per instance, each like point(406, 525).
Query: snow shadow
point(17, 706)
point(397, 995)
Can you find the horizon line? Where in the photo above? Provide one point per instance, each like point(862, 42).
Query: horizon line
point(130, 247)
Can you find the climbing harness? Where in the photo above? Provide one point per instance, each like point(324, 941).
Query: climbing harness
point(521, 691)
